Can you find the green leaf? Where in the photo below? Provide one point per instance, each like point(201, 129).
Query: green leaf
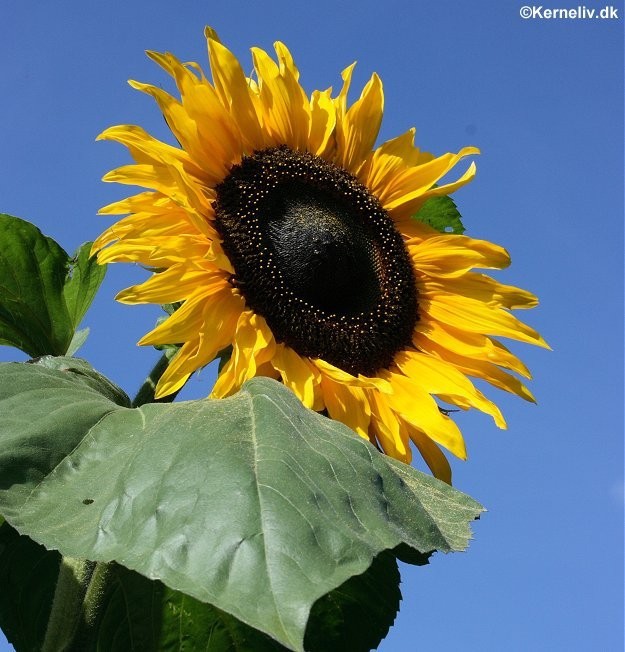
point(441, 214)
point(253, 503)
point(84, 373)
point(357, 615)
point(79, 338)
point(411, 556)
point(28, 574)
point(142, 614)
point(148, 615)
point(44, 293)
point(83, 279)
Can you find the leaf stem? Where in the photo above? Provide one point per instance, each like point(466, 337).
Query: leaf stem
point(77, 604)
point(86, 633)
point(146, 391)
point(66, 612)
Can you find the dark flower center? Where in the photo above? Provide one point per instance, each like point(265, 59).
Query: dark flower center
point(317, 256)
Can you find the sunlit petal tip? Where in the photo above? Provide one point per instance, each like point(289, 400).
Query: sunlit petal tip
point(146, 340)
point(505, 255)
point(210, 34)
point(110, 177)
point(126, 296)
point(156, 56)
point(543, 343)
point(376, 81)
point(169, 387)
point(346, 76)
point(459, 448)
point(500, 422)
point(118, 131)
point(284, 54)
point(108, 133)
point(470, 151)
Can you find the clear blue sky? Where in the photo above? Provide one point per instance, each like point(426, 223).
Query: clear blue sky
point(543, 99)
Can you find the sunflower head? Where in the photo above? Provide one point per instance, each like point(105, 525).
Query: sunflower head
point(286, 234)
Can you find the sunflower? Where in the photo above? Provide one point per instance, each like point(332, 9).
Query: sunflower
point(285, 235)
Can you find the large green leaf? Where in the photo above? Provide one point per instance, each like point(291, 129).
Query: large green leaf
point(252, 503)
point(44, 293)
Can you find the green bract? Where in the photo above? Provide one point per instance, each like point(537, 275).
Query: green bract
point(441, 214)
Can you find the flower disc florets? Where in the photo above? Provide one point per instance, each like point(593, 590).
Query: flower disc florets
point(319, 258)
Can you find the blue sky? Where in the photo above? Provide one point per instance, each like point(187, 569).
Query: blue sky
point(543, 99)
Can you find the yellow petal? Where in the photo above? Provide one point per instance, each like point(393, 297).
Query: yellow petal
point(394, 154)
point(253, 346)
point(284, 105)
point(418, 408)
point(486, 371)
point(450, 256)
point(415, 230)
point(322, 124)
point(232, 86)
point(341, 100)
point(297, 99)
point(340, 376)
point(448, 188)
point(146, 149)
point(485, 290)
point(386, 425)
point(180, 122)
point(432, 454)
point(172, 181)
point(138, 226)
point(174, 284)
point(476, 317)
point(298, 374)
point(155, 251)
point(215, 333)
point(442, 379)
point(173, 378)
point(211, 311)
point(415, 181)
point(433, 337)
point(143, 202)
point(349, 405)
point(357, 131)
